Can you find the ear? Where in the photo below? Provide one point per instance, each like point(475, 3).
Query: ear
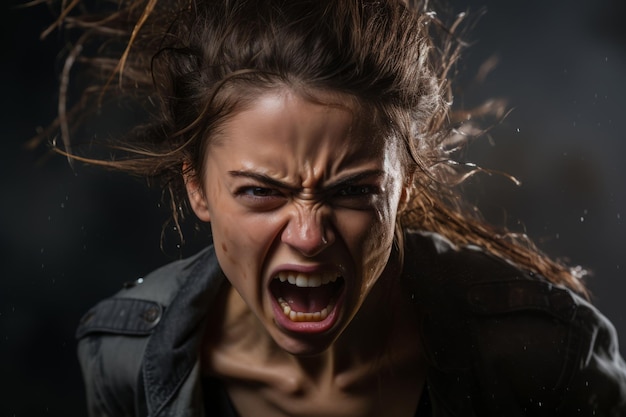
point(195, 193)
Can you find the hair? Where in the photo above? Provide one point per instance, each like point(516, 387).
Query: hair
point(194, 63)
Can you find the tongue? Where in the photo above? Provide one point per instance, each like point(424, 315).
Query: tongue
point(306, 299)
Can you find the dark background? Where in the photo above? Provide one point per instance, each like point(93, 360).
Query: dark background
point(69, 238)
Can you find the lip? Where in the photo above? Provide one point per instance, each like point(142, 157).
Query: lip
point(308, 327)
point(304, 327)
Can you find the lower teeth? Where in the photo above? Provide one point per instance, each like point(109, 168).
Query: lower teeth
point(300, 316)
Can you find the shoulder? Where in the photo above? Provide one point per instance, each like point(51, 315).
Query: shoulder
point(502, 336)
point(113, 335)
point(137, 308)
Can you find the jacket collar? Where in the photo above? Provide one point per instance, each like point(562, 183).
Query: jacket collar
point(172, 350)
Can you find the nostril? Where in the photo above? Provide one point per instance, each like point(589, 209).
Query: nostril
point(308, 241)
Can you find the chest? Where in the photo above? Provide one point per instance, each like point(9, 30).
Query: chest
point(393, 397)
point(388, 387)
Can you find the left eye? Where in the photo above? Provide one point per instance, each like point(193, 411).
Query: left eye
point(356, 191)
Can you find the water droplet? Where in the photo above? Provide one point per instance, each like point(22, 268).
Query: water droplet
point(517, 130)
point(62, 205)
point(582, 219)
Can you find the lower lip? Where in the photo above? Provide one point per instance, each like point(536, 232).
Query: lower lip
point(308, 327)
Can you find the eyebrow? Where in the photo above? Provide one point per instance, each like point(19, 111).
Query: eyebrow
point(349, 179)
point(263, 179)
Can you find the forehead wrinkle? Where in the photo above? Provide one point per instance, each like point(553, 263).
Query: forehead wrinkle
point(330, 140)
point(325, 153)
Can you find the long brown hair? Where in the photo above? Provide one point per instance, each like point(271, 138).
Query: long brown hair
point(194, 63)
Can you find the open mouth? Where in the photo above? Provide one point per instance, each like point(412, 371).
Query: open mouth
point(309, 297)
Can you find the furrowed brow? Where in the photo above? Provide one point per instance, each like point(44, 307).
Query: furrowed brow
point(338, 183)
point(355, 178)
point(264, 179)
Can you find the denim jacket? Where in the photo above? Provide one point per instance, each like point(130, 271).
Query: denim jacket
point(499, 341)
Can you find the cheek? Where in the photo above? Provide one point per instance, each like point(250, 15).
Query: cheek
point(368, 234)
point(225, 242)
point(241, 242)
point(228, 239)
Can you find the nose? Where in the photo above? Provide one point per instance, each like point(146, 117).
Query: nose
point(308, 231)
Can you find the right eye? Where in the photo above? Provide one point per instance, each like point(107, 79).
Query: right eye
point(260, 198)
point(259, 192)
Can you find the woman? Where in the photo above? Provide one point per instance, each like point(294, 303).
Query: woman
point(345, 276)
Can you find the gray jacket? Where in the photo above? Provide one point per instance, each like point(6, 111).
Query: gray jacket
point(499, 342)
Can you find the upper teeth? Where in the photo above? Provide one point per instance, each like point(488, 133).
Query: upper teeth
point(307, 280)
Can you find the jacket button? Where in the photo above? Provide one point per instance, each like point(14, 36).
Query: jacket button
point(87, 318)
point(151, 315)
point(131, 284)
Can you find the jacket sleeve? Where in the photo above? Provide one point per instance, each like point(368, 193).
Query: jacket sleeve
point(524, 348)
point(546, 350)
point(501, 342)
point(598, 383)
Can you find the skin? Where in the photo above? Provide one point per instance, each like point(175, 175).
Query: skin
point(293, 185)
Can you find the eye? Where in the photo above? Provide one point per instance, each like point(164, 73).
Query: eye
point(356, 191)
point(356, 197)
point(260, 198)
point(259, 192)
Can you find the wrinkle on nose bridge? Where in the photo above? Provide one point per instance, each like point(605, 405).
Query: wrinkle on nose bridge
point(308, 228)
point(309, 218)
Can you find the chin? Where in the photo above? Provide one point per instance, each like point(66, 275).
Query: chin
point(305, 345)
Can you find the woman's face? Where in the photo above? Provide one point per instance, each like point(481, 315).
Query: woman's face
point(302, 202)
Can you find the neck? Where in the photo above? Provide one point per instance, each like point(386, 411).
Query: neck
point(375, 336)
